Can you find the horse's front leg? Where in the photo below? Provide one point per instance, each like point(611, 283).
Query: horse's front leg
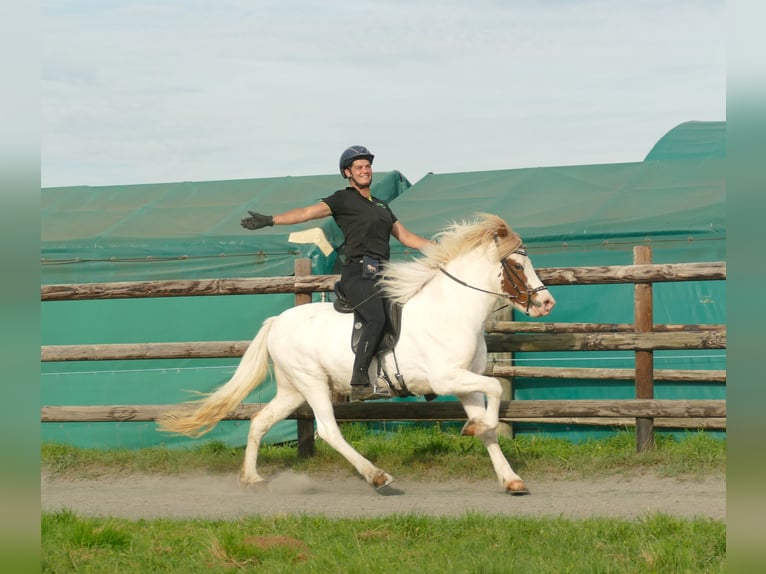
point(465, 383)
point(473, 403)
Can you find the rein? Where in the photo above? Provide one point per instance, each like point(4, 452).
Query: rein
point(508, 271)
point(464, 284)
point(363, 301)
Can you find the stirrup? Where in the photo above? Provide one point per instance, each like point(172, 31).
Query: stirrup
point(369, 392)
point(385, 389)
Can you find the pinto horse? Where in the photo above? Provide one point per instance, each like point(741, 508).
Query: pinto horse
point(445, 296)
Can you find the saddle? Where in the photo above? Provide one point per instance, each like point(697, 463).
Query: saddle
point(393, 321)
point(387, 343)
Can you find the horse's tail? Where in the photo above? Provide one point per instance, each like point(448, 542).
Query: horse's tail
point(250, 373)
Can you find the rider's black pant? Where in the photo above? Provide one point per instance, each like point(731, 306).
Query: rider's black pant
point(363, 291)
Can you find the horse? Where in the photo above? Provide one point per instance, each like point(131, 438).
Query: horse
point(446, 296)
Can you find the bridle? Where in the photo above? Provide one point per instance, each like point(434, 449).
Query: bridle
point(509, 271)
point(511, 277)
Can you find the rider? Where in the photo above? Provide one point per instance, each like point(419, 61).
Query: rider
point(367, 223)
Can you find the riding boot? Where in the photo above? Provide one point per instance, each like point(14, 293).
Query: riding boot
point(361, 388)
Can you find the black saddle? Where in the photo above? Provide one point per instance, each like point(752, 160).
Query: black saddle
point(393, 321)
point(341, 304)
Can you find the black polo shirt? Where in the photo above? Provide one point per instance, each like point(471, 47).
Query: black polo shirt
point(366, 223)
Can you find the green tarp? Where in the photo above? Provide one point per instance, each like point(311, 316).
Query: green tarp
point(184, 230)
point(594, 215)
point(579, 204)
point(691, 140)
point(674, 201)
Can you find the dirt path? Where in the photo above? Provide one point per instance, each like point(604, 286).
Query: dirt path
point(220, 497)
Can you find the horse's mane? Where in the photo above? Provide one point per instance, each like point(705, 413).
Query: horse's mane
point(404, 279)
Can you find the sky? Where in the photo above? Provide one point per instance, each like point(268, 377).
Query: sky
point(149, 92)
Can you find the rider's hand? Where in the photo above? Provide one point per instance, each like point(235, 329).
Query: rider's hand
point(257, 220)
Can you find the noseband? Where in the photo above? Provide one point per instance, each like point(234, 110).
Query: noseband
point(510, 274)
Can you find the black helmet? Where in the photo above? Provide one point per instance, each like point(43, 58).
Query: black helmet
point(352, 153)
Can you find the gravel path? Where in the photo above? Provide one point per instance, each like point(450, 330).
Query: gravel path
point(208, 496)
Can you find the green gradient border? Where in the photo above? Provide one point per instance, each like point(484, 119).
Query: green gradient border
point(746, 276)
point(19, 170)
point(20, 300)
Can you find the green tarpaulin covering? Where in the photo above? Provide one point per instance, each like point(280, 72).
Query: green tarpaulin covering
point(569, 216)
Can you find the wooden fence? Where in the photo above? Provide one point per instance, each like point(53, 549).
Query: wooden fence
point(642, 337)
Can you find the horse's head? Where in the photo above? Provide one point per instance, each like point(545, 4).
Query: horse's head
point(522, 285)
point(486, 247)
point(519, 280)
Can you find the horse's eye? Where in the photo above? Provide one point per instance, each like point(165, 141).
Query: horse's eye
point(519, 266)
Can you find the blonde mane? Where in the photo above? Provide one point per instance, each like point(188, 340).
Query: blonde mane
point(404, 279)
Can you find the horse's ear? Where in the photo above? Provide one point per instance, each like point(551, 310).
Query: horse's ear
point(502, 233)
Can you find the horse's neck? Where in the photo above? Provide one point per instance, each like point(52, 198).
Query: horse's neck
point(469, 301)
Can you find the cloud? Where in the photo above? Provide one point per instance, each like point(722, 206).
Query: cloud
point(138, 92)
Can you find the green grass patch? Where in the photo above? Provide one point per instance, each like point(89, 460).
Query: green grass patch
point(402, 544)
point(424, 452)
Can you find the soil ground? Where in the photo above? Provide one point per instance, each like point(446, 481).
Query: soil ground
point(207, 496)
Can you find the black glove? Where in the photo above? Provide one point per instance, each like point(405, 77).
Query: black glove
point(257, 220)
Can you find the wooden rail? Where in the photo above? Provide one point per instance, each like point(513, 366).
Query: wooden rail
point(496, 343)
point(499, 342)
point(609, 274)
point(416, 411)
point(501, 337)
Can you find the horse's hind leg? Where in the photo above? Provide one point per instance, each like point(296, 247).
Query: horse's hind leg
point(280, 407)
point(327, 428)
point(473, 403)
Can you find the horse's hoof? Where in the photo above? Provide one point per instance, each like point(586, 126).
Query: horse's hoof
point(382, 480)
point(252, 482)
point(476, 428)
point(469, 429)
point(517, 488)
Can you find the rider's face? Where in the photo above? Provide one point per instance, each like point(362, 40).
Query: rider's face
point(361, 173)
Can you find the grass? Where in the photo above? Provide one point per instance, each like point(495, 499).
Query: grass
point(297, 544)
point(401, 543)
point(416, 452)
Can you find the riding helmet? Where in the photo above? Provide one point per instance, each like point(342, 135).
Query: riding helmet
point(352, 153)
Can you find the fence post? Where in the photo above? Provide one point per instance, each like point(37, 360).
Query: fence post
point(504, 314)
point(306, 445)
point(644, 323)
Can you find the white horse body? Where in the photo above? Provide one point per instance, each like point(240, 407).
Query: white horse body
point(419, 351)
point(441, 350)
